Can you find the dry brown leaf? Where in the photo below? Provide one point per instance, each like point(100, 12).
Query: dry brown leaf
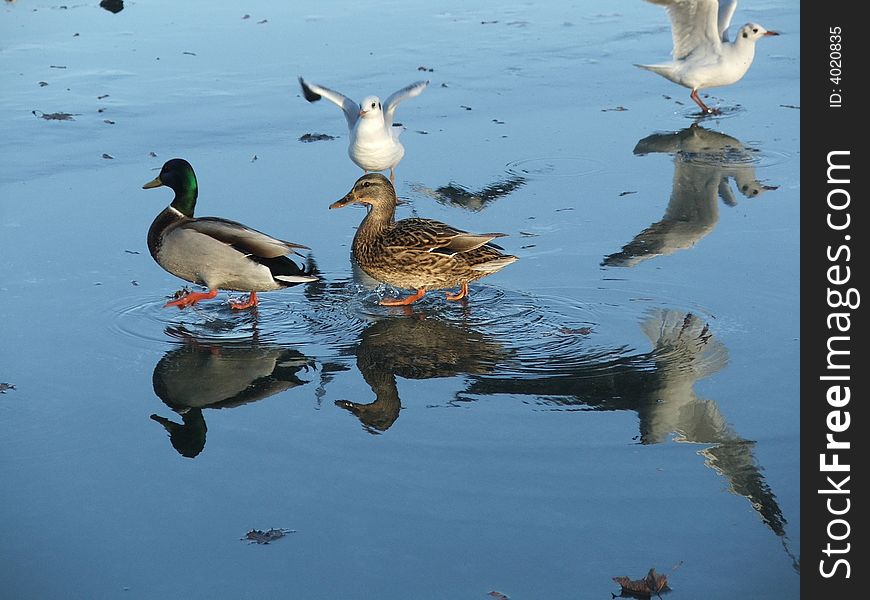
point(653, 583)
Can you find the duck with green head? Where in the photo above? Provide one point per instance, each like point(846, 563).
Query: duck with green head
point(418, 254)
point(214, 252)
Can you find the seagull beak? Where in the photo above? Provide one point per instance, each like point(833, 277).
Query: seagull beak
point(152, 184)
point(362, 113)
point(771, 33)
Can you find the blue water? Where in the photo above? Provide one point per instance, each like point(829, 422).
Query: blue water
point(624, 396)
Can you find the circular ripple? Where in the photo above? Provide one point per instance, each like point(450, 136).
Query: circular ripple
point(559, 166)
point(513, 333)
point(146, 320)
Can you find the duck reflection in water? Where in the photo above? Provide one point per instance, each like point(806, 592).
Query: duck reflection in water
point(417, 346)
point(659, 386)
point(705, 162)
point(209, 373)
point(454, 194)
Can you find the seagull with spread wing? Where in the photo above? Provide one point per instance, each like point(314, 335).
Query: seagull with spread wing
point(703, 56)
point(374, 141)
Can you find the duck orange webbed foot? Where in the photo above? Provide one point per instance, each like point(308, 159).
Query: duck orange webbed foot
point(403, 301)
point(191, 298)
point(249, 303)
point(463, 293)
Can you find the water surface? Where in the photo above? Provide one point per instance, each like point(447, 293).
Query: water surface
point(622, 397)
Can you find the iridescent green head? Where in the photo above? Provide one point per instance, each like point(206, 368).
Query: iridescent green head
point(178, 175)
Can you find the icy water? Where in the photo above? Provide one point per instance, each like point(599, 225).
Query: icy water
point(623, 397)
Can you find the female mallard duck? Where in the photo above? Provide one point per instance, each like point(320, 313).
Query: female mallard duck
point(215, 252)
point(419, 254)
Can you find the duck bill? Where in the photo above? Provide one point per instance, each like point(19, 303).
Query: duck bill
point(152, 184)
point(771, 33)
point(348, 199)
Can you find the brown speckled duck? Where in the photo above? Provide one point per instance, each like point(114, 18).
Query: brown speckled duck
point(419, 254)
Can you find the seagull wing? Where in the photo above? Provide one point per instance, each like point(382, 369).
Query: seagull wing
point(726, 12)
point(409, 91)
point(694, 25)
point(314, 92)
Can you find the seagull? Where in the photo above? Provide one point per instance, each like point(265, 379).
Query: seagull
point(703, 55)
point(374, 143)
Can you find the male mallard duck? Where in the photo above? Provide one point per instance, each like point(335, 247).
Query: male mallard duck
point(215, 252)
point(374, 142)
point(419, 254)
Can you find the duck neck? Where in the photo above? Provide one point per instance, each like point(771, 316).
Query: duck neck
point(379, 219)
point(185, 196)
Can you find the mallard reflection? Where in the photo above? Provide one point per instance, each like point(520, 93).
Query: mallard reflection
point(416, 346)
point(659, 386)
point(454, 194)
point(203, 373)
point(705, 162)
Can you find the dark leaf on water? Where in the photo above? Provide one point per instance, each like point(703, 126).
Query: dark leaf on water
point(315, 137)
point(152, 154)
point(263, 21)
point(56, 66)
point(113, 6)
point(427, 69)
point(102, 97)
point(498, 595)
point(246, 17)
point(653, 584)
point(189, 53)
point(131, 251)
point(626, 193)
point(576, 330)
point(258, 536)
point(6, 386)
point(43, 83)
point(615, 109)
point(108, 156)
point(108, 122)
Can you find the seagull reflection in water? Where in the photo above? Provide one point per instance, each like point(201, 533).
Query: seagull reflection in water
point(705, 162)
point(454, 194)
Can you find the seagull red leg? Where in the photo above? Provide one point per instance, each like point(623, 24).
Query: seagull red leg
point(706, 109)
point(192, 298)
